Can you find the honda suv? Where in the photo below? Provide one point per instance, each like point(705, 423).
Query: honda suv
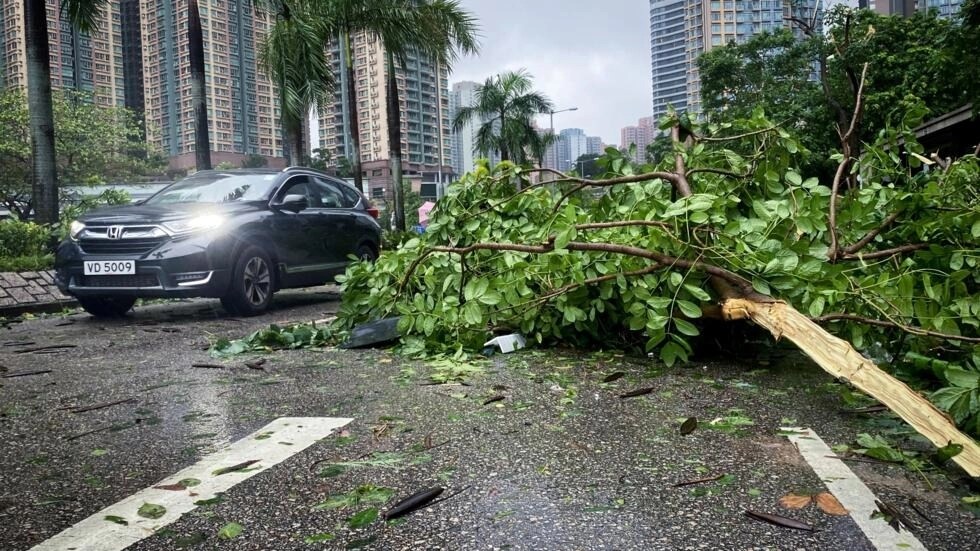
point(237, 235)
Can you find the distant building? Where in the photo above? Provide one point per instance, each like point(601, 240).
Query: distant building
point(593, 145)
point(423, 94)
point(243, 110)
point(572, 144)
point(464, 153)
point(79, 61)
point(642, 135)
point(681, 30)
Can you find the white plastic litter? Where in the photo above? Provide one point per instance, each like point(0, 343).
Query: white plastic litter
point(507, 343)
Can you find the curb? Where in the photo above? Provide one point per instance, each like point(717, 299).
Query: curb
point(36, 308)
point(31, 292)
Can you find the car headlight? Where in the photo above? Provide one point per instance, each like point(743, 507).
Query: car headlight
point(75, 229)
point(203, 222)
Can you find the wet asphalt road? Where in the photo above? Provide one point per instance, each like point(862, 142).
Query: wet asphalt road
point(561, 462)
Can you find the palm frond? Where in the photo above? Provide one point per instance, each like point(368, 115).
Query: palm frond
point(84, 14)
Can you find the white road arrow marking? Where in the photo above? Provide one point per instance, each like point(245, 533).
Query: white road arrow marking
point(850, 491)
point(270, 445)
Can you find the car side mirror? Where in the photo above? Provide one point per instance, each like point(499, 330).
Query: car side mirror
point(294, 203)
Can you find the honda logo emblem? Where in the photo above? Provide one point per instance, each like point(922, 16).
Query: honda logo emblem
point(114, 232)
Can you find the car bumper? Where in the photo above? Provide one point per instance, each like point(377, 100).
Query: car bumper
point(193, 267)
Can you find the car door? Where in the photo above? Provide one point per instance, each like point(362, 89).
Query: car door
point(339, 220)
point(296, 234)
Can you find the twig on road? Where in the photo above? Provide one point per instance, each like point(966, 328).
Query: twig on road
point(83, 409)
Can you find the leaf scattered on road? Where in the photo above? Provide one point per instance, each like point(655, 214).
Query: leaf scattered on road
point(362, 519)
point(117, 520)
point(230, 531)
point(151, 511)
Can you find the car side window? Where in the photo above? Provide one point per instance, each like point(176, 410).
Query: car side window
point(300, 185)
point(332, 196)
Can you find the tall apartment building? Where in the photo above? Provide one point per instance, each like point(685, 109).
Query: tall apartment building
point(79, 61)
point(681, 30)
point(642, 135)
point(243, 112)
point(423, 93)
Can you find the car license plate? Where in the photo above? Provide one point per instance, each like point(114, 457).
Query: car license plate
point(109, 267)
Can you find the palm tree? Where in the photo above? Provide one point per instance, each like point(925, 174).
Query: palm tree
point(199, 94)
point(83, 15)
point(439, 30)
point(293, 56)
point(506, 105)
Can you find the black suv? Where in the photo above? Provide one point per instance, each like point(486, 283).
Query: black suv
point(239, 235)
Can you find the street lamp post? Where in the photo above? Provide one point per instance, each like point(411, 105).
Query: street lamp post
point(554, 145)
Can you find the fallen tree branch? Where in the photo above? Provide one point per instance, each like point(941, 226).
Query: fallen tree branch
point(868, 237)
point(885, 253)
point(841, 360)
point(893, 325)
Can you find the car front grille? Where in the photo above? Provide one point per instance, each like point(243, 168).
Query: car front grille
point(120, 246)
point(120, 281)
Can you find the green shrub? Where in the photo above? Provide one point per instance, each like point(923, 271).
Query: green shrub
point(22, 239)
point(27, 263)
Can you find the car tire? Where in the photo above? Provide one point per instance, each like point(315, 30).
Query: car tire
point(252, 283)
point(107, 306)
point(366, 254)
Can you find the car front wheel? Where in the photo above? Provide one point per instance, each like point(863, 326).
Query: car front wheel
point(366, 254)
point(251, 287)
point(107, 306)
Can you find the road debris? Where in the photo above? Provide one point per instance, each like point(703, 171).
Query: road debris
point(779, 521)
point(25, 373)
point(374, 333)
point(699, 481)
point(637, 392)
point(234, 468)
point(412, 503)
point(507, 343)
point(83, 409)
point(615, 376)
point(689, 425)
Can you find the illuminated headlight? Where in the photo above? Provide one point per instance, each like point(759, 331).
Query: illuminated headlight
point(75, 229)
point(199, 223)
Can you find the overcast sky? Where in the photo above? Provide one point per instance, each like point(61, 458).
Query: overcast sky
point(594, 55)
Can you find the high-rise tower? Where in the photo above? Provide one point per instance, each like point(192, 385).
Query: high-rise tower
point(243, 111)
point(423, 94)
point(681, 30)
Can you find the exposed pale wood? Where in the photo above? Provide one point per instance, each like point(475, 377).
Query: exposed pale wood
point(840, 359)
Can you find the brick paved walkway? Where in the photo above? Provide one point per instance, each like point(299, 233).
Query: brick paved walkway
point(30, 292)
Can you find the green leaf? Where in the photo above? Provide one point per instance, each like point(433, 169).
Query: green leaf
point(117, 520)
point(794, 178)
point(99, 452)
point(151, 511)
point(230, 531)
point(686, 327)
point(189, 482)
point(689, 309)
point(760, 286)
point(365, 517)
point(948, 452)
point(697, 292)
point(816, 307)
point(975, 230)
point(962, 378)
point(319, 538)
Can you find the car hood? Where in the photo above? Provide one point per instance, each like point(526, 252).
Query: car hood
point(154, 214)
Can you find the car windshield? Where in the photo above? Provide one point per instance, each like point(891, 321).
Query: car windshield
point(216, 188)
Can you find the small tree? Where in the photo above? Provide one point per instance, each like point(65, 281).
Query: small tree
point(253, 160)
point(94, 145)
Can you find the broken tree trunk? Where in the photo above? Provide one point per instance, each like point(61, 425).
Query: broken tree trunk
point(840, 359)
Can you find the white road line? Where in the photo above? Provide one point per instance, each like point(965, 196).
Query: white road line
point(850, 491)
point(270, 445)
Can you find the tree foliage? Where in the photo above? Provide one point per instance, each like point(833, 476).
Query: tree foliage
point(94, 144)
point(921, 63)
point(644, 263)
